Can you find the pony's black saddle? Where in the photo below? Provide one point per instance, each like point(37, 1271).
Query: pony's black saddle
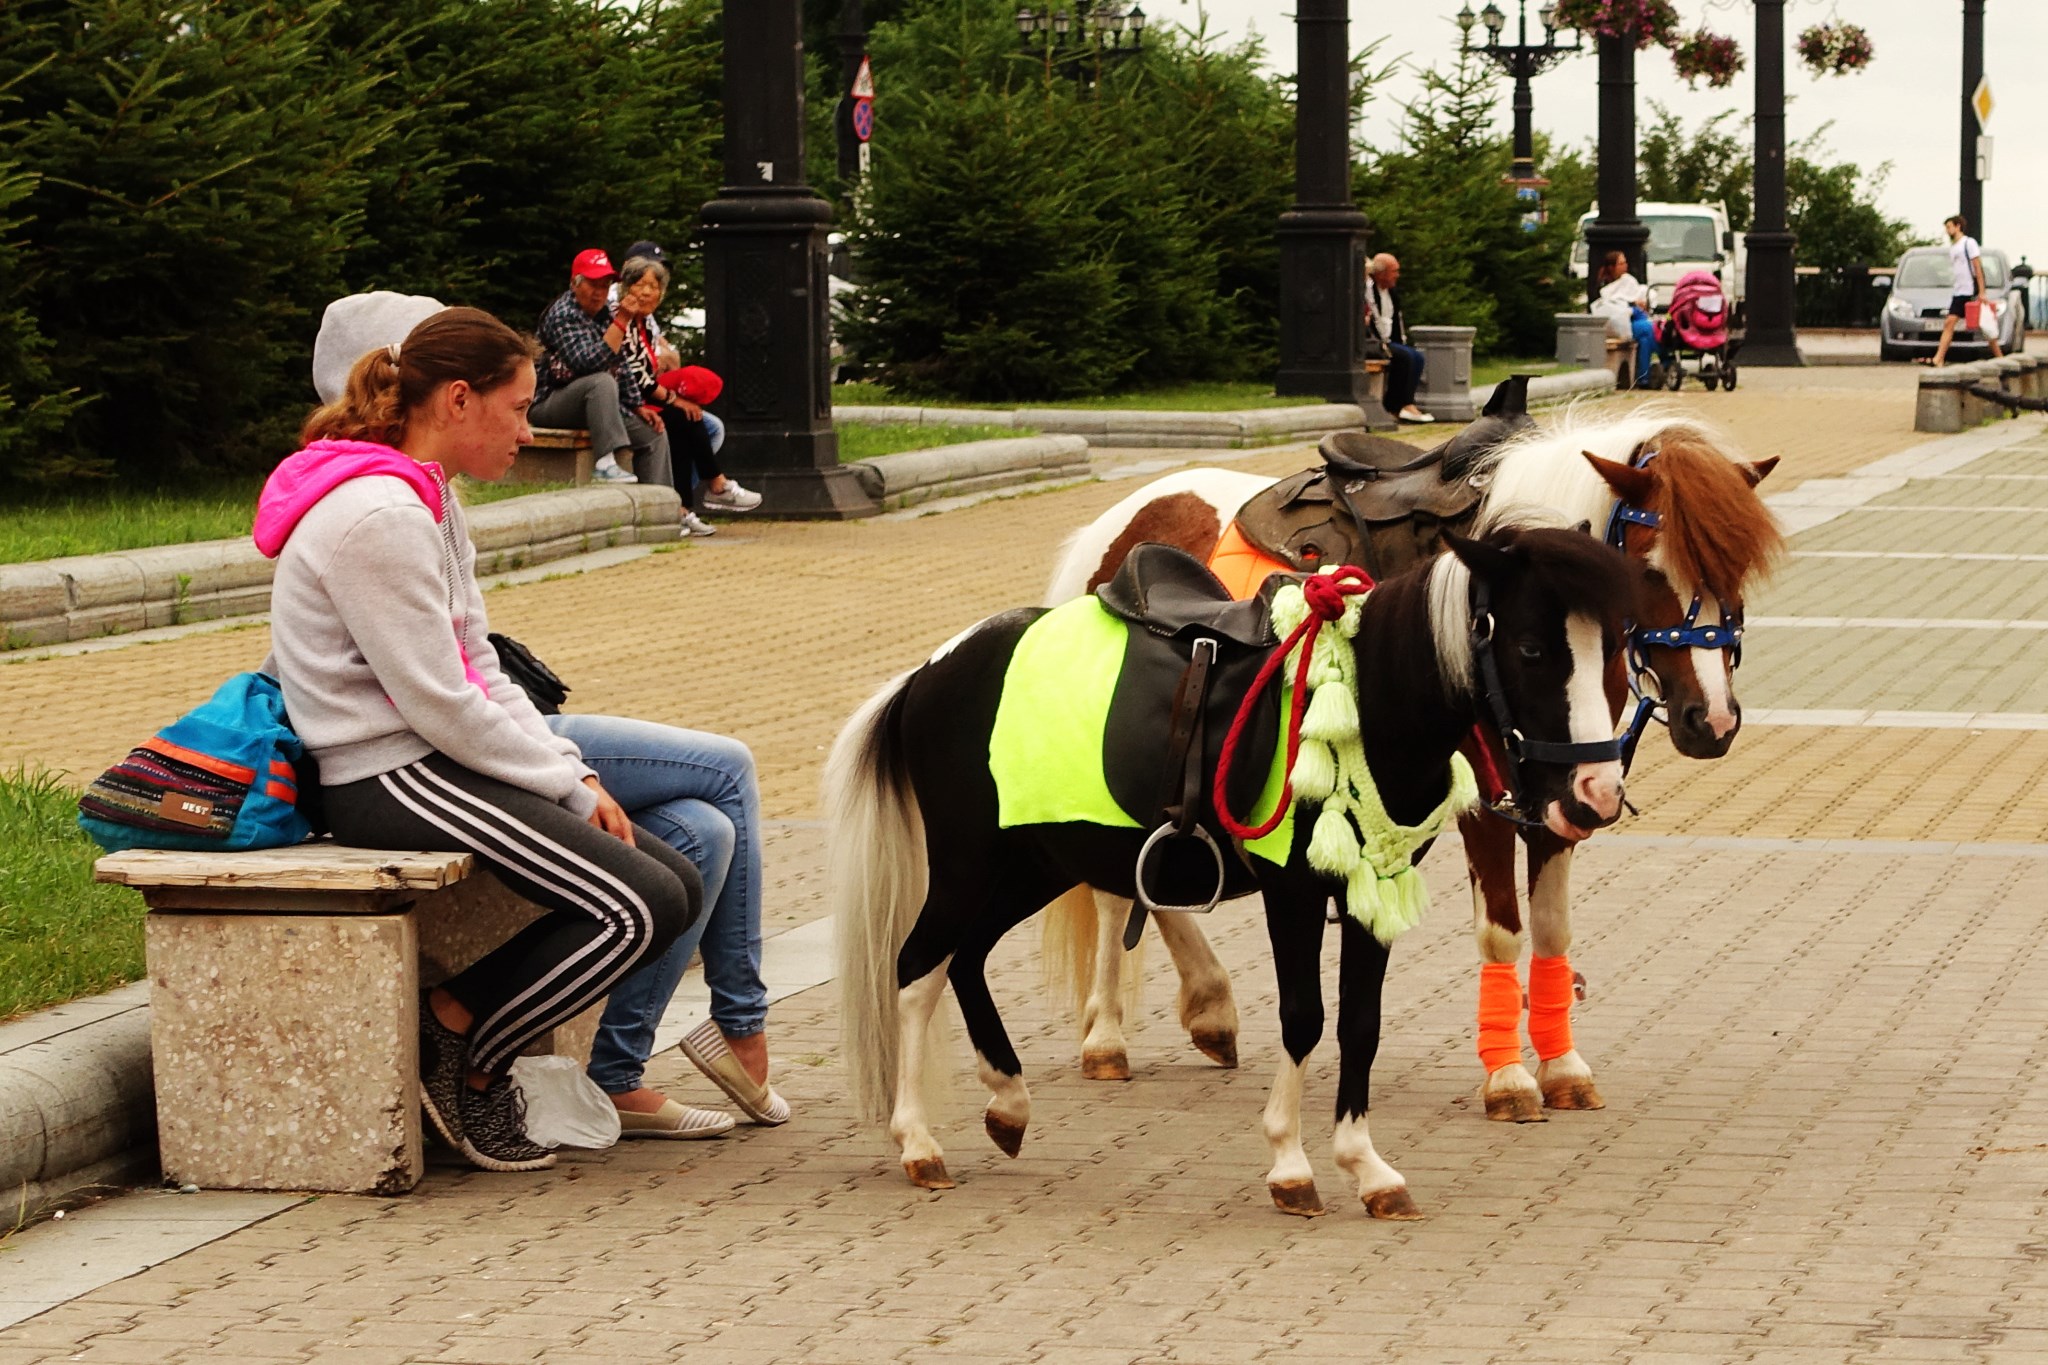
point(1377, 504)
point(1192, 654)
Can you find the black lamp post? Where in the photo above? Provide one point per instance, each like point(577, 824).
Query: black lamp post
point(1523, 61)
point(1322, 238)
point(1771, 333)
point(1077, 42)
point(768, 332)
point(1616, 228)
point(1970, 190)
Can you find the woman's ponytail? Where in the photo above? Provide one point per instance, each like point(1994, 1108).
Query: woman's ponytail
point(387, 385)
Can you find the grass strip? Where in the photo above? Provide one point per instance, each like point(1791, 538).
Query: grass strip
point(62, 935)
point(864, 440)
point(1217, 396)
point(1493, 369)
point(111, 517)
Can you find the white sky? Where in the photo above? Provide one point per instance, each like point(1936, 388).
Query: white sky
point(1903, 108)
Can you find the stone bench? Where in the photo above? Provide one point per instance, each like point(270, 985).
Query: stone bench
point(1446, 390)
point(557, 455)
point(284, 991)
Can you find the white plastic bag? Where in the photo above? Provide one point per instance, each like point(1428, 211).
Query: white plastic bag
point(564, 1107)
point(1620, 317)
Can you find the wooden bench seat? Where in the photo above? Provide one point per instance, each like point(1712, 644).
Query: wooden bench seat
point(284, 1005)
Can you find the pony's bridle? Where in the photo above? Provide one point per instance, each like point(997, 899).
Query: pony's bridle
point(1689, 634)
point(1516, 747)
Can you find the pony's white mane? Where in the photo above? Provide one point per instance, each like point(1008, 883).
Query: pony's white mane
point(1541, 478)
point(1450, 621)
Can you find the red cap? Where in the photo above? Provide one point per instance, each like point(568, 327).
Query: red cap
point(693, 382)
point(593, 265)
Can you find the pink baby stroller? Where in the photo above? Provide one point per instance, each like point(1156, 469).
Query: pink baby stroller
point(1697, 327)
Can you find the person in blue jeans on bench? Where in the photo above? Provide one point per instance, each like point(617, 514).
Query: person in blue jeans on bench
point(697, 792)
point(1623, 296)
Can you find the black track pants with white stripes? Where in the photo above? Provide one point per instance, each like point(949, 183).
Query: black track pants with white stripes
point(610, 907)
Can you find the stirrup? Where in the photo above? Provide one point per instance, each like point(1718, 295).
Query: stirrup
point(1142, 903)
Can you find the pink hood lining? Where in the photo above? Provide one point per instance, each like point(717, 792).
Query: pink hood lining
point(296, 486)
point(302, 479)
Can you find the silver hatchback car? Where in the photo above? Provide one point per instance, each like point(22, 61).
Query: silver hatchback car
point(1921, 289)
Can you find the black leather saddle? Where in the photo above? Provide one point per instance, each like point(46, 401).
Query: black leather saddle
point(1378, 503)
point(1193, 653)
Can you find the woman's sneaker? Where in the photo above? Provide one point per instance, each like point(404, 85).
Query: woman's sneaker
point(607, 471)
point(444, 1069)
point(731, 498)
point(694, 525)
point(494, 1129)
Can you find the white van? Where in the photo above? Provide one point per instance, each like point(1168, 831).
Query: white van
point(1683, 237)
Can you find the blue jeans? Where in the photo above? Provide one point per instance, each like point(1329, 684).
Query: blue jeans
point(715, 429)
point(1646, 345)
point(697, 793)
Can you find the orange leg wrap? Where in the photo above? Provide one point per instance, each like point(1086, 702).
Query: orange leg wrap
point(1500, 1016)
point(1550, 1005)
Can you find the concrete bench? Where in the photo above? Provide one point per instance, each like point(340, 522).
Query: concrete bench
point(557, 455)
point(1446, 392)
point(284, 1005)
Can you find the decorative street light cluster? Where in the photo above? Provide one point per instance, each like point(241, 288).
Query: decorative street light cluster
point(1068, 38)
point(1522, 60)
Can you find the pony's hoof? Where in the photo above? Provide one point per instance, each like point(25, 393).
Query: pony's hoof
point(1514, 1106)
point(1297, 1197)
point(1217, 1046)
point(1005, 1134)
point(1572, 1092)
point(928, 1173)
point(1394, 1205)
point(1106, 1066)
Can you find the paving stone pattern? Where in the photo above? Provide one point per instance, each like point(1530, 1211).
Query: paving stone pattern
point(1822, 1059)
point(1823, 1143)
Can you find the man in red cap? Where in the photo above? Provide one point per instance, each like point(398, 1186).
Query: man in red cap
point(581, 382)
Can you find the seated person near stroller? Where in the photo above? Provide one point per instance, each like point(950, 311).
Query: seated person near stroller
point(675, 395)
point(1625, 302)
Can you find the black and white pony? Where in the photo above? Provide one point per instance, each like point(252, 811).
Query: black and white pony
point(925, 880)
point(1663, 489)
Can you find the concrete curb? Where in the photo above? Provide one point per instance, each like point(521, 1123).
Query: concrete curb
point(77, 1099)
point(1131, 427)
point(54, 601)
point(916, 476)
point(1546, 390)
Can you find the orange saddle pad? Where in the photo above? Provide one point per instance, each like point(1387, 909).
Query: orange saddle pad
point(1241, 566)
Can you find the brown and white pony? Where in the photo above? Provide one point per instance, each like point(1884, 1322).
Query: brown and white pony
point(1693, 517)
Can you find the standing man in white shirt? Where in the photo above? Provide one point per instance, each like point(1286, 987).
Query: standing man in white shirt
point(1966, 267)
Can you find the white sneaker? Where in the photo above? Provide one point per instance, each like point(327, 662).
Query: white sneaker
point(1413, 414)
point(731, 498)
point(694, 525)
point(607, 471)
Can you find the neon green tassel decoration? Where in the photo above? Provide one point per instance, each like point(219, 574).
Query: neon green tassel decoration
point(1354, 840)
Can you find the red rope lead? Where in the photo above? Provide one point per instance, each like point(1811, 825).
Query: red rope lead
point(1324, 594)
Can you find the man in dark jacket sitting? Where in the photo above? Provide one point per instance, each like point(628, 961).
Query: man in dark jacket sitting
point(1383, 315)
point(581, 382)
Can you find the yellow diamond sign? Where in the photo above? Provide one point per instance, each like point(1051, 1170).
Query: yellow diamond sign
point(1980, 100)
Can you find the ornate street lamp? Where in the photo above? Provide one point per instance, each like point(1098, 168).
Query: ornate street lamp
point(1523, 61)
point(1079, 42)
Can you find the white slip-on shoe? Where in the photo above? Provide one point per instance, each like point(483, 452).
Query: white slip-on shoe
point(676, 1121)
point(705, 1045)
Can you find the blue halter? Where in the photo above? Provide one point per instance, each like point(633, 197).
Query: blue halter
point(1688, 635)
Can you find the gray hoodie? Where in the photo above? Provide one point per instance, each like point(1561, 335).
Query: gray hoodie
point(368, 639)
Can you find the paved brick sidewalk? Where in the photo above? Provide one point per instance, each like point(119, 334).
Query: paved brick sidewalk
point(1822, 1057)
point(1824, 1144)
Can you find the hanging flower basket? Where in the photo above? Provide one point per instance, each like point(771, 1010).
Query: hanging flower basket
point(1645, 21)
point(1707, 56)
point(1834, 49)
